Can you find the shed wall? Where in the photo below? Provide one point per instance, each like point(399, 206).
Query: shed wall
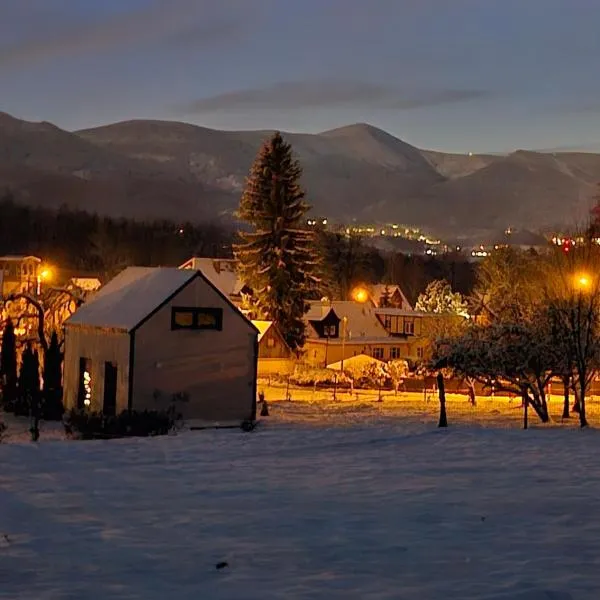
point(100, 346)
point(215, 369)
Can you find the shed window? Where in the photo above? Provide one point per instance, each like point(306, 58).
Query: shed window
point(270, 342)
point(197, 318)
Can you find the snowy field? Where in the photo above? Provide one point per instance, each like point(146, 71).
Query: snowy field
point(346, 500)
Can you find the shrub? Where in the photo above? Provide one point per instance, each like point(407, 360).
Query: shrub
point(88, 425)
point(316, 376)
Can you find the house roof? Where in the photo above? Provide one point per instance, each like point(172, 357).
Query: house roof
point(362, 322)
point(263, 327)
point(360, 360)
point(221, 272)
point(378, 290)
point(130, 297)
point(19, 258)
point(317, 311)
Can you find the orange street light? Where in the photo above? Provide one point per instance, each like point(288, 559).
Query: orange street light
point(583, 281)
point(46, 274)
point(360, 294)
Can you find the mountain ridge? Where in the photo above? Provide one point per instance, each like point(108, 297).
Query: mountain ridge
point(169, 169)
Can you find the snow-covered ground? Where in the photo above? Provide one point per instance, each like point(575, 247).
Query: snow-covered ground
point(345, 500)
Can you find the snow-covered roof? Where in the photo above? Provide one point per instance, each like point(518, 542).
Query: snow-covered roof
point(362, 320)
point(221, 272)
point(318, 310)
point(130, 297)
point(263, 327)
point(360, 360)
point(378, 290)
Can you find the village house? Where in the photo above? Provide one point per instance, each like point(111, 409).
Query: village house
point(274, 354)
point(21, 274)
point(338, 330)
point(155, 334)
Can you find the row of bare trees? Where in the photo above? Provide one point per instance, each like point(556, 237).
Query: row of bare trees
point(535, 318)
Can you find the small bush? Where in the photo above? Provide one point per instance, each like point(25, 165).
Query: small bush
point(87, 425)
point(315, 376)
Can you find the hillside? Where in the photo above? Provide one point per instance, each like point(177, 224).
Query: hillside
point(162, 169)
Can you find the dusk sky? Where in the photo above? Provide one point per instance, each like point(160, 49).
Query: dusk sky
point(454, 75)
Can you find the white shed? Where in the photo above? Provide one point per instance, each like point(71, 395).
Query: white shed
point(152, 334)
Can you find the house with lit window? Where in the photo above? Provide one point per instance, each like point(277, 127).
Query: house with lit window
point(338, 330)
point(152, 335)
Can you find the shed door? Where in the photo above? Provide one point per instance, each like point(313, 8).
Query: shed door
point(109, 406)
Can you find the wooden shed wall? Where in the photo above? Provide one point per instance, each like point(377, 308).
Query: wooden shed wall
point(216, 369)
point(100, 346)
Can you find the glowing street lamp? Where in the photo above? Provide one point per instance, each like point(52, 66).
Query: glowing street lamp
point(582, 282)
point(44, 275)
point(360, 294)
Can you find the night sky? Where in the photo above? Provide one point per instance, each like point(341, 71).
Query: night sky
point(455, 75)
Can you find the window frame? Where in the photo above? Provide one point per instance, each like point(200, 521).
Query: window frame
point(409, 326)
point(195, 311)
point(395, 353)
point(378, 350)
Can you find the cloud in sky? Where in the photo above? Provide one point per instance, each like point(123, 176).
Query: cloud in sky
point(162, 19)
point(330, 93)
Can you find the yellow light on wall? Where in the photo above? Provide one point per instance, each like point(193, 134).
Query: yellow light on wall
point(360, 294)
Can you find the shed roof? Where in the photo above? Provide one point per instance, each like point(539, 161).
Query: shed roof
point(130, 297)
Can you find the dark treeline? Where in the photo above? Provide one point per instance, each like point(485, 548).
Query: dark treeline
point(91, 243)
point(82, 241)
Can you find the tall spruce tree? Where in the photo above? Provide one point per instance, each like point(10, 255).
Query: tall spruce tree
point(277, 257)
point(8, 367)
point(52, 391)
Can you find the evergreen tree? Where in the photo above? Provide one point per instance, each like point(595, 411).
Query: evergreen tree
point(277, 257)
point(52, 392)
point(8, 367)
point(29, 383)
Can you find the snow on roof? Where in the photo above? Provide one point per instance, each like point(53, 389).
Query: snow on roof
point(19, 257)
point(317, 311)
point(360, 360)
point(362, 320)
point(130, 297)
point(221, 272)
point(263, 327)
point(378, 290)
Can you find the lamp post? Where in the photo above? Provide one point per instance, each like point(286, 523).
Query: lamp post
point(43, 275)
point(344, 321)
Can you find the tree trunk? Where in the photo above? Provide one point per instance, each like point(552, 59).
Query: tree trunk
point(576, 404)
point(525, 406)
point(538, 404)
point(471, 392)
point(582, 418)
point(443, 422)
point(566, 381)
